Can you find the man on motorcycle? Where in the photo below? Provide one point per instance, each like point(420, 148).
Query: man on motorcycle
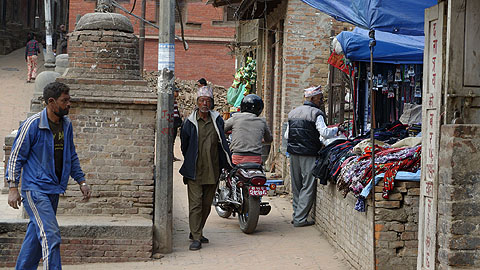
point(248, 130)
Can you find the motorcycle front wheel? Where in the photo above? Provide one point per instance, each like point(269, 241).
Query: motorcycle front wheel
point(248, 218)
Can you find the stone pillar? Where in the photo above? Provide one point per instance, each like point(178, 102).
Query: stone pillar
point(113, 115)
point(61, 63)
point(449, 216)
point(7, 147)
point(459, 198)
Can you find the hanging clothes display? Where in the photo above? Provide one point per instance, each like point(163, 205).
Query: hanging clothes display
point(243, 83)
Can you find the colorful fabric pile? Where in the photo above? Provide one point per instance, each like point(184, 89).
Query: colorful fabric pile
point(357, 171)
point(348, 163)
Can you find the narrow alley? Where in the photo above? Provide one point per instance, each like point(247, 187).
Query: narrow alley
point(276, 244)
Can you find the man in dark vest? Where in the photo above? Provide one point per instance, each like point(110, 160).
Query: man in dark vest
point(307, 133)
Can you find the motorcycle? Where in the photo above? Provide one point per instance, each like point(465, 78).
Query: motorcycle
point(239, 192)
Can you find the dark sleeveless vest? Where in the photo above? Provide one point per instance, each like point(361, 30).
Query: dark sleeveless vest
point(303, 136)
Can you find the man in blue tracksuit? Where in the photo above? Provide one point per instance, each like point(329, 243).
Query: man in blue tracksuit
point(44, 149)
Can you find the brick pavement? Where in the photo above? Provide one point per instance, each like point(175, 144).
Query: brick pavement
point(15, 95)
point(276, 244)
point(15, 92)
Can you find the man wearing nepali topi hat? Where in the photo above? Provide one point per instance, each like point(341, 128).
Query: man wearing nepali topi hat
point(205, 152)
point(306, 133)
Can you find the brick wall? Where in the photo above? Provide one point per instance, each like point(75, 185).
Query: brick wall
point(102, 243)
point(202, 20)
point(115, 145)
point(396, 226)
point(113, 115)
point(207, 56)
point(203, 59)
point(458, 230)
point(103, 55)
point(348, 230)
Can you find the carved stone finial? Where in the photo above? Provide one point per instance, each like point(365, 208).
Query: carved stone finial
point(104, 6)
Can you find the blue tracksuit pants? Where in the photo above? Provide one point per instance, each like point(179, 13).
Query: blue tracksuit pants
point(42, 239)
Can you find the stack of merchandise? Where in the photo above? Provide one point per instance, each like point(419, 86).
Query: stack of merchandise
point(348, 163)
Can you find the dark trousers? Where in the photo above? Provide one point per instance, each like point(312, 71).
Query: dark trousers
point(200, 198)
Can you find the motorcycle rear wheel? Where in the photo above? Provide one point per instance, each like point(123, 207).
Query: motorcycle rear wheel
point(248, 219)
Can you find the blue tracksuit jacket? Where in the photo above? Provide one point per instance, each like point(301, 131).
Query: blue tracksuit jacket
point(33, 150)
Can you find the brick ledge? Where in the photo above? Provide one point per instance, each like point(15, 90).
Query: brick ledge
point(140, 101)
point(102, 81)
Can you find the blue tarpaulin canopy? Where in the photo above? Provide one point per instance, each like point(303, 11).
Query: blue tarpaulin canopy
point(390, 48)
point(404, 17)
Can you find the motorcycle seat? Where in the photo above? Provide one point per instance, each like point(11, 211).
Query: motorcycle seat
point(249, 165)
point(246, 165)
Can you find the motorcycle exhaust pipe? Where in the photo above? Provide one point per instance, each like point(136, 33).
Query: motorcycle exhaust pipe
point(222, 203)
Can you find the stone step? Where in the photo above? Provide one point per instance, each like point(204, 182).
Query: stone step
point(86, 239)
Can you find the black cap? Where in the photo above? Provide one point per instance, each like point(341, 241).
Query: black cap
point(202, 81)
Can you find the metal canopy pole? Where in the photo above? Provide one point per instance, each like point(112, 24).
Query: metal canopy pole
point(372, 44)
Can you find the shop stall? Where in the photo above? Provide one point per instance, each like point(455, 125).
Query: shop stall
point(383, 66)
point(396, 96)
point(397, 74)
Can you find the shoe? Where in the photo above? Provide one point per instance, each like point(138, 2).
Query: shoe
point(195, 245)
point(304, 224)
point(203, 240)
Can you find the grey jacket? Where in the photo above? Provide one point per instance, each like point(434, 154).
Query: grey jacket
point(248, 130)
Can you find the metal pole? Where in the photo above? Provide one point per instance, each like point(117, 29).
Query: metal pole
point(162, 217)
point(372, 44)
point(341, 113)
point(141, 50)
point(331, 81)
point(49, 57)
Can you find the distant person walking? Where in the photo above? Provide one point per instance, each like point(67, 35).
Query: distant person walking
point(177, 119)
point(44, 155)
point(205, 151)
point(60, 40)
point(32, 50)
